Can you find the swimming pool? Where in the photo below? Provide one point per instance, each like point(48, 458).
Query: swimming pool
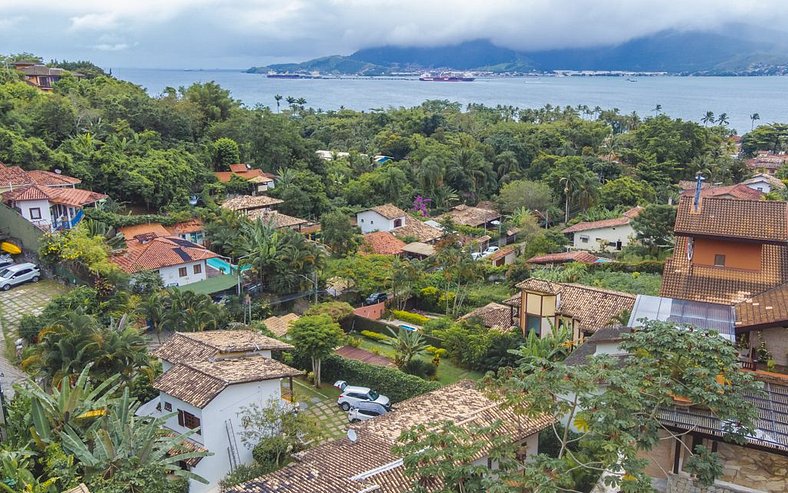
point(408, 327)
point(224, 266)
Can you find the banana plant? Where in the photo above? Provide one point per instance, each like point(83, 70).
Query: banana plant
point(16, 475)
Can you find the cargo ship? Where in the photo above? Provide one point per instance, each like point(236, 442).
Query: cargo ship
point(447, 77)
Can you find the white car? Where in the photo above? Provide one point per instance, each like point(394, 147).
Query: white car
point(351, 396)
point(17, 274)
point(365, 411)
point(477, 255)
point(490, 251)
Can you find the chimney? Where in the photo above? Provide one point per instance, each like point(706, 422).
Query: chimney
point(698, 187)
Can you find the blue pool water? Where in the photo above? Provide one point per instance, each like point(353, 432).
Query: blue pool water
point(224, 266)
point(407, 327)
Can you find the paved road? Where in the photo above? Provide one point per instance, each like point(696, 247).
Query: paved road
point(27, 298)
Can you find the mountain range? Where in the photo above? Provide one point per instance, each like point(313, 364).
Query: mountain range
point(738, 50)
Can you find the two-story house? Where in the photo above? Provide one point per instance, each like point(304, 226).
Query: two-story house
point(208, 378)
point(607, 235)
point(390, 218)
point(259, 180)
point(151, 247)
point(39, 75)
point(364, 463)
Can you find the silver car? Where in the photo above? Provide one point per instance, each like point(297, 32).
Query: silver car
point(17, 274)
point(351, 396)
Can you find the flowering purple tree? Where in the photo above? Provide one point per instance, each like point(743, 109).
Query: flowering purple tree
point(421, 205)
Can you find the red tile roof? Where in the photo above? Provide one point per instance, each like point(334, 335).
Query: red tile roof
point(382, 243)
point(141, 229)
point(764, 310)
point(50, 179)
point(389, 211)
point(751, 220)
point(560, 258)
point(13, 176)
point(605, 223)
point(241, 171)
point(191, 226)
point(493, 315)
point(159, 252)
point(738, 191)
point(74, 197)
point(471, 216)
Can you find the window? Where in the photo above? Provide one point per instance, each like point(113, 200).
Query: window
point(182, 272)
point(533, 323)
point(719, 260)
point(35, 213)
point(188, 420)
point(397, 223)
point(584, 238)
point(198, 269)
point(168, 406)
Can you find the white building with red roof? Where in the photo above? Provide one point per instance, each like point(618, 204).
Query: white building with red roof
point(605, 235)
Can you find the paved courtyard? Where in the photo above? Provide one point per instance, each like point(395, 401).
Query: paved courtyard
point(333, 421)
point(28, 298)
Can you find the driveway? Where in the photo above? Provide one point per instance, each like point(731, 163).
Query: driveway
point(30, 298)
point(323, 407)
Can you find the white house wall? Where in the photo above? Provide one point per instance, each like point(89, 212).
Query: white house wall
point(42, 205)
point(171, 277)
point(623, 233)
point(224, 407)
point(370, 221)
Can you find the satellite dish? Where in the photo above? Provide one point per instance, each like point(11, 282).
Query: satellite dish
point(352, 435)
point(193, 200)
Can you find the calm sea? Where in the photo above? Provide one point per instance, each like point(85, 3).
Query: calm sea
point(682, 97)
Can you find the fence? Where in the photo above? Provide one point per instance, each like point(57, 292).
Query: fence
point(19, 228)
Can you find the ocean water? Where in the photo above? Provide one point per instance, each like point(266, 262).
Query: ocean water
point(681, 97)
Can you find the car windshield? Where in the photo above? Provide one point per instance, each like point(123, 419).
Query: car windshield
point(373, 395)
point(5, 273)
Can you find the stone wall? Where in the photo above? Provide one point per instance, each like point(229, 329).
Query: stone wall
point(685, 484)
point(753, 468)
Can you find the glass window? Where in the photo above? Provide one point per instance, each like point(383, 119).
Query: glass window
point(168, 406)
point(188, 420)
point(533, 323)
point(35, 213)
point(182, 272)
point(198, 269)
point(719, 260)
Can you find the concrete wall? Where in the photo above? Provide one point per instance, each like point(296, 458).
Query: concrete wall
point(776, 340)
point(19, 228)
point(171, 276)
point(370, 221)
point(623, 233)
point(738, 255)
point(372, 312)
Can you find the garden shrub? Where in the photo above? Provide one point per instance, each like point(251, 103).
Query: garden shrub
point(30, 326)
point(410, 317)
point(421, 368)
point(397, 385)
point(375, 336)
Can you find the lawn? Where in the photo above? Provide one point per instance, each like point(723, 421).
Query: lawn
point(448, 372)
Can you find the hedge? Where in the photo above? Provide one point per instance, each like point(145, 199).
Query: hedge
point(646, 267)
point(391, 382)
point(375, 336)
point(413, 318)
point(121, 220)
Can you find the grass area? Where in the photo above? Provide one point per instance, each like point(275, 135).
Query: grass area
point(484, 293)
point(211, 285)
point(448, 372)
point(326, 392)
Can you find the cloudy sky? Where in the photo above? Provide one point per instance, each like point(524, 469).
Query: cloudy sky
point(242, 33)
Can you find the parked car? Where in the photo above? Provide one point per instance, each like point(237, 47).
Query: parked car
point(351, 396)
point(363, 411)
point(17, 274)
point(477, 255)
point(376, 298)
point(6, 260)
point(490, 250)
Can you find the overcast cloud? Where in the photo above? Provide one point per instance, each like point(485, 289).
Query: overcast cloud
point(241, 33)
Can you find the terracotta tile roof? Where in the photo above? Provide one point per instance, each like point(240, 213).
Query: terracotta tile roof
point(33, 192)
point(773, 181)
point(159, 252)
point(591, 307)
point(471, 216)
point(418, 248)
point(605, 223)
point(247, 202)
point(254, 175)
point(275, 219)
point(143, 229)
point(50, 179)
point(738, 191)
point(413, 228)
point(389, 211)
point(754, 220)
point(766, 309)
point(711, 284)
point(493, 315)
point(202, 346)
point(199, 382)
point(767, 161)
point(280, 325)
point(501, 253)
point(74, 197)
point(382, 243)
point(563, 257)
point(368, 464)
point(191, 226)
point(13, 176)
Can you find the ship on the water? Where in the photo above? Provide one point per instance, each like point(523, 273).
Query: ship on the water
point(447, 77)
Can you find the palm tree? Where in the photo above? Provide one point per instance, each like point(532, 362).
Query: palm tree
point(722, 119)
point(753, 117)
point(278, 98)
point(708, 118)
point(657, 109)
point(406, 344)
point(151, 308)
point(261, 247)
point(188, 311)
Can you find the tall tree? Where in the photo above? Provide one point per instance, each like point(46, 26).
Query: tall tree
point(339, 234)
point(316, 337)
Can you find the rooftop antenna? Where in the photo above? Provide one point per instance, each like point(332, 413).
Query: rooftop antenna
point(352, 435)
point(698, 187)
